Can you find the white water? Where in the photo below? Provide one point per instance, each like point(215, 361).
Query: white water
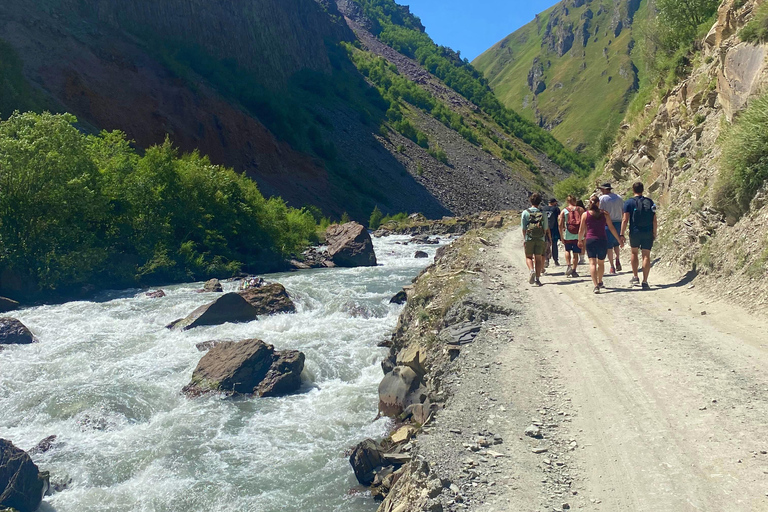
point(106, 375)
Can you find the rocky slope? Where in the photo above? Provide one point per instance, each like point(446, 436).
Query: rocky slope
point(675, 148)
point(263, 87)
point(570, 69)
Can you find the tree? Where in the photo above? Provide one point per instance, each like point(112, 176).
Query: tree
point(684, 17)
point(375, 221)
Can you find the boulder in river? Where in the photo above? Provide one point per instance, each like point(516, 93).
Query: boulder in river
point(421, 254)
point(230, 307)
point(213, 285)
point(269, 299)
point(22, 485)
point(247, 367)
point(157, 294)
point(8, 305)
point(398, 389)
point(365, 460)
point(350, 245)
point(13, 332)
point(400, 298)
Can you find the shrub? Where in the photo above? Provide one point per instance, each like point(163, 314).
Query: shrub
point(756, 31)
point(744, 162)
point(572, 185)
point(376, 216)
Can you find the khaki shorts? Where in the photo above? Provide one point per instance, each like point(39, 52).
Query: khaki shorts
point(535, 247)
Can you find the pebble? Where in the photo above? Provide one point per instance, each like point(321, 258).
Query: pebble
point(540, 449)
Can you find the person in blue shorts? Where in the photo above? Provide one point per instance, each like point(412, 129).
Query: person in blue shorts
point(614, 205)
point(640, 216)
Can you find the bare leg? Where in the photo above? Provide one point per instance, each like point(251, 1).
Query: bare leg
point(567, 259)
point(576, 258)
point(635, 260)
point(529, 262)
point(539, 265)
point(617, 251)
point(600, 270)
point(610, 256)
point(646, 265)
point(593, 270)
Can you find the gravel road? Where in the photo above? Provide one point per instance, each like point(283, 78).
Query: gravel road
point(645, 400)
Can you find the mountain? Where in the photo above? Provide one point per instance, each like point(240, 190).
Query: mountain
point(304, 96)
point(571, 70)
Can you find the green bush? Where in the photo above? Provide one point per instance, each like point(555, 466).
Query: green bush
point(88, 210)
point(376, 216)
point(572, 185)
point(744, 162)
point(756, 31)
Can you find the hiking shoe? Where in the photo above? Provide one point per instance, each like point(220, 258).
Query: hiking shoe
point(538, 283)
point(635, 281)
point(600, 285)
point(574, 274)
point(557, 263)
point(618, 265)
point(597, 289)
point(569, 272)
point(613, 271)
point(532, 278)
point(646, 286)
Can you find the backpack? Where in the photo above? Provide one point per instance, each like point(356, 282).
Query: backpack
point(535, 224)
point(574, 220)
point(642, 217)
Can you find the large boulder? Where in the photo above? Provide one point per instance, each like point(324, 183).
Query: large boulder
point(365, 460)
point(350, 245)
point(22, 485)
point(230, 307)
point(398, 389)
point(13, 332)
point(269, 299)
point(213, 285)
point(8, 305)
point(247, 367)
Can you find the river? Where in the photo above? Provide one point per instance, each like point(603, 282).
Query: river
point(106, 376)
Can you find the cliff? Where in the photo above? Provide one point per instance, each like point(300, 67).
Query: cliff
point(676, 147)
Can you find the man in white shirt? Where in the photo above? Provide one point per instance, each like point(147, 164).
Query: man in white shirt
point(614, 205)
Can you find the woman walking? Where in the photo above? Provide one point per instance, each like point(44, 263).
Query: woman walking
point(593, 238)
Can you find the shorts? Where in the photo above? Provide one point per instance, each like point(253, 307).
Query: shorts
point(612, 242)
point(643, 241)
point(572, 246)
point(597, 248)
point(535, 247)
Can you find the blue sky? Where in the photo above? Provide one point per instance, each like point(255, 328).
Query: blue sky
point(473, 26)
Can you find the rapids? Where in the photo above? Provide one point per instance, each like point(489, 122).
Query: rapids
point(106, 375)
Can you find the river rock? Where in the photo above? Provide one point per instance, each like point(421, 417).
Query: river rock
point(213, 285)
point(157, 294)
point(13, 332)
point(247, 367)
point(350, 245)
point(398, 389)
point(22, 485)
point(365, 460)
point(8, 305)
point(421, 254)
point(269, 299)
point(230, 307)
point(400, 298)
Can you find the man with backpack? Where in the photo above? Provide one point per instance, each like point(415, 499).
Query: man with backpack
point(614, 205)
point(535, 233)
point(553, 213)
point(570, 224)
point(640, 215)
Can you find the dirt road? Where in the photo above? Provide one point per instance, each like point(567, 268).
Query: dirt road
point(646, 400)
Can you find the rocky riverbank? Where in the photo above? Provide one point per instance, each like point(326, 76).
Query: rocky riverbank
point(446, 309)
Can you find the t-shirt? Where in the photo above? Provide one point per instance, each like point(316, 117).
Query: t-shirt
point(568, 234)
point(526, 219)
point(629, 207)
point(552, 213)
point(614, 205)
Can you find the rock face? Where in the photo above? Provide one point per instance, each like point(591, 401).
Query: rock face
point(230, 307)
point(350, 245)
point(247, 367)
point(742, 75)
point(365, 459)
point(13, 332)
point(22, 485)
point(269, 299)
point(213, 285)
point(8, 305)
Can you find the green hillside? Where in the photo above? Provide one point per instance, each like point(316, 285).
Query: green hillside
point(571, 69)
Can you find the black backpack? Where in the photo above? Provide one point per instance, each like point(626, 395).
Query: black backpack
point(642, 217)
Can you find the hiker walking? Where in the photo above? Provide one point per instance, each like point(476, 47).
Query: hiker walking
point(570, 224)
point(552, 212)
point(614, 205)
point(535, 233)
point(640, 215)
point(594, 239)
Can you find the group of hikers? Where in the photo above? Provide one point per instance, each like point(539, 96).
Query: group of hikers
point(598, 229)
